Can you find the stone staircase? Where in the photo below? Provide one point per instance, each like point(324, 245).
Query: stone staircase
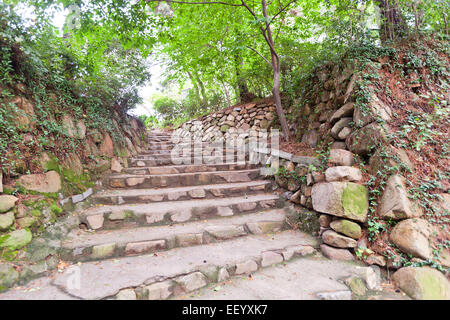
point(160, 230)
point(165, 231)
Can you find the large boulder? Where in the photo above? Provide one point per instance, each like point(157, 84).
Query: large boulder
point(375, 109)
point(343, 173)
point(345, 111)
point(45, 183)
point(72, 128)
point(24, 116)
point(395, 203)
point(341, 157)
point(311, 138)
point(423, 283)
point(107, 145)
point(412, 236)
point(7, 202)
point(389, 156)
point(366, 139)
point(343, 199)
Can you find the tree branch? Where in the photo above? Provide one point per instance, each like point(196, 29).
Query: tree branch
point(281, 10)
point(201, 2)
point(263, 31)
point(254, 50)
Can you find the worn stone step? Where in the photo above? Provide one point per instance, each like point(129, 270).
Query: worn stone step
point(188, 168)
point(115, 216)
point(85, 246)
point(181, 193)
point(182, 151)
point(170, 145)
point(177, 271)
point(167, 161)
point(186, 152)
point(157, 140)
point(180, 179)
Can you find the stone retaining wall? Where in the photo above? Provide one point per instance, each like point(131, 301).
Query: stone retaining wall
point(251, 116)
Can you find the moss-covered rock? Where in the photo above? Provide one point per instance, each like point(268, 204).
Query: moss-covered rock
point(6, 220)
point(356, 285)
point(7, 202)
point(355, 201)
point(8, 276)
point(17, 239)
point(348, 228)
point(26, 222)
point(423, 283)
point(343, 199)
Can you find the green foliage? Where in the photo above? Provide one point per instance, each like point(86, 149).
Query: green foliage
point(60, 76)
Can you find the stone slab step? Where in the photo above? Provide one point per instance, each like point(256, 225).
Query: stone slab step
point(188, 168)
point(180, 179)
point(176, 272)
point(169, 145)
point(190, 152)
point(182, 152)
point(114, 216)
point(181, 193)
point(146, 161)
point(85, 246)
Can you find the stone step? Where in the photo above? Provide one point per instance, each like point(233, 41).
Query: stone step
point(180, 179)
point(181, 193)
point(116, 216)
point(167, 161)
point(85, 246)
point(170, 145)
point(162, 139)
point(189, 154)
point(180, 270)
point(188, 168)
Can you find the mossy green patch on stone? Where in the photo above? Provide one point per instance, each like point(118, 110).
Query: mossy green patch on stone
point(356, 285)
point(432, 286)
point(52, 164)
point(355, 201)
point(103, 251)
point(348, 228)
point(8, 276)
point(423, 283)
point(17, 239)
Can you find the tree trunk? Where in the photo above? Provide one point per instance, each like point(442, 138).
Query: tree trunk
point(194, 83)
point(242, 88)
point(277, 98)
point(393, 25)
point(276, 66)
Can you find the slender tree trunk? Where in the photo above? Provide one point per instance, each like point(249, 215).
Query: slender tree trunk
point(445, 23)
point(276, 66)
point(393, 25)
point(277, 98)
point(242, 87)
point(194, 83)
point(202, 90)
